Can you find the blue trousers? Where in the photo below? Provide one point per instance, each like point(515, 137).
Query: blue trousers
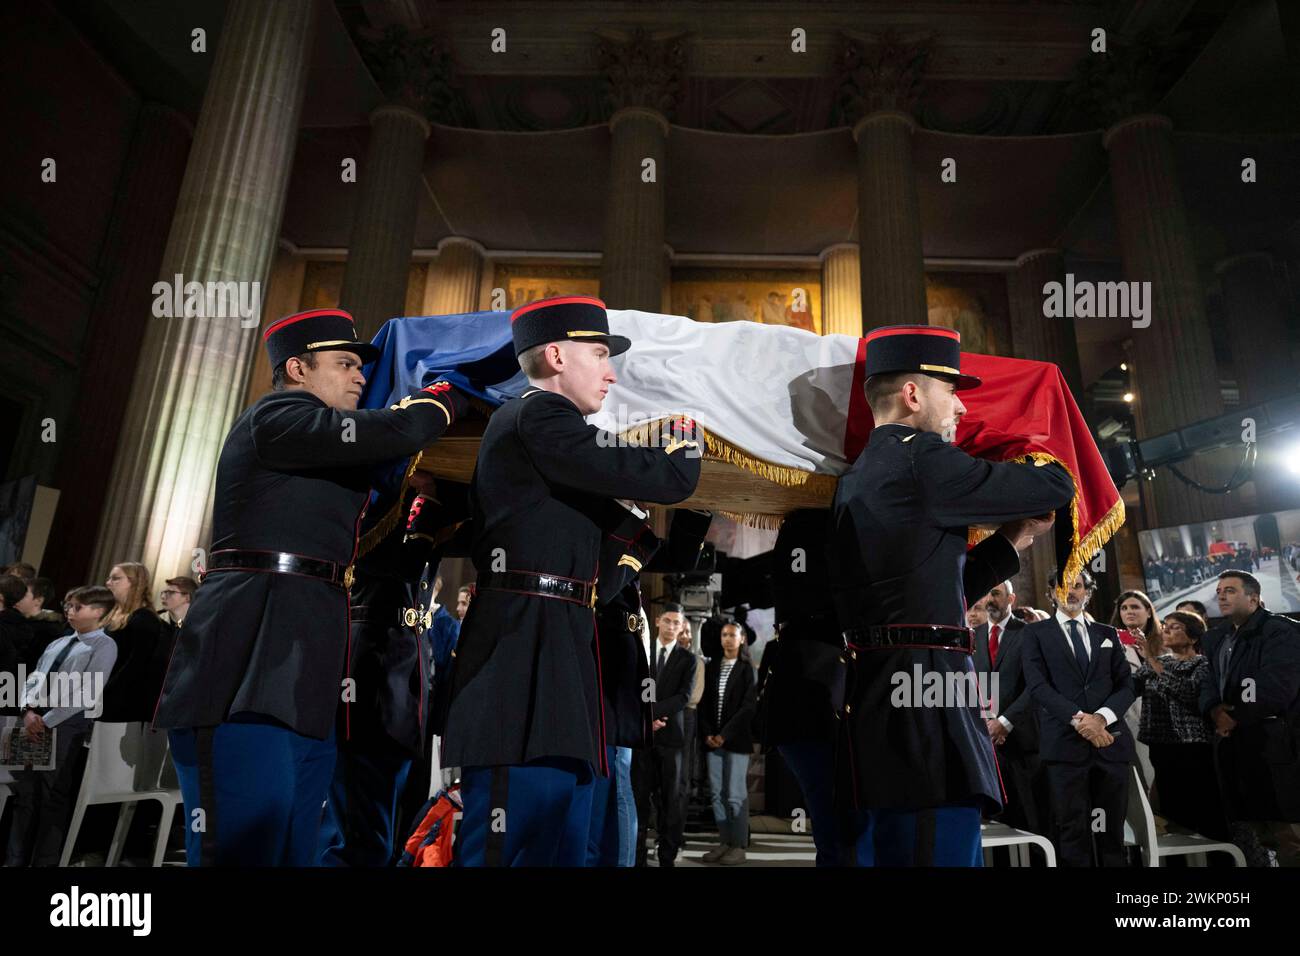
point(935, 836)
point(612, 838)
point(260, 787)
point(533, 814)
point(359, 828)
point(813, 764)
point(727, 791)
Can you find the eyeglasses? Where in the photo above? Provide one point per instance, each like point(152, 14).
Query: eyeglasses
point(170, 592)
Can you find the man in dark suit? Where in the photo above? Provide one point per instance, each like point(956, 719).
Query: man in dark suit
point(1081, 683)
point(1252, 696)
point(526, 717)
point(1012, 720)
point(255, 678)
point(672, 668)
point(902, 577)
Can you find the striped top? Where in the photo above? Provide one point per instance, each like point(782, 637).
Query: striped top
point(723, 675)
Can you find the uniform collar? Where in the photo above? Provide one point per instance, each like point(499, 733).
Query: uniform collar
point(891, 430)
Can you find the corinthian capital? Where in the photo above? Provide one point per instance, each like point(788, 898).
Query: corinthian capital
point(880, 73)
point(641, 70)
point(415, 69)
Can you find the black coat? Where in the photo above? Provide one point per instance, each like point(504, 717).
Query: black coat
point(391, 648)
point(1259, 762)
point(1013, 702)
point(900, 521)
point(673, 688)
point(276, 644)
point(16, 636)
point(623, 667)
point(525, 683)
point(803, 673)
point(738, 705)
point(144, 643)
point(1059, 690)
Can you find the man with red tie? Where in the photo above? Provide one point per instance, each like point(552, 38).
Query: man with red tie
point(1011, 719)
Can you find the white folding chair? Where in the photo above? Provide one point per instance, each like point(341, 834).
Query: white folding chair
point(1140, 831)
point(999, 834)
point(124, 766)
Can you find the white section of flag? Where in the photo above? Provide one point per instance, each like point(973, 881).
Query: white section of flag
point(779, 393)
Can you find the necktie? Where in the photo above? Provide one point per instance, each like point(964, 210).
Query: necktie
point(54, 668)
point(994, 631)
point(1080, 652)
point(659, 665)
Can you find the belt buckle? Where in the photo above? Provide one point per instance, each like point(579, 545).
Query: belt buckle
point(348, 577)
point(410, 616)
point(634, 622)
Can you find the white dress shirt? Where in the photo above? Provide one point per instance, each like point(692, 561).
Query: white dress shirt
point(91, 658)
point(1063, 621)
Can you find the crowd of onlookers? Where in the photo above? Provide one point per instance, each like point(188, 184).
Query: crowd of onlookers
point(110, 644)
point(1213, 714)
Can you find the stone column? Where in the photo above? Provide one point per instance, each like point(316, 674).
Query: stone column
point(889, 223)
point(133, 249)
point(1176, 379)
point(192, 370)
point(880, 83)
point(632, 263)
point(841, 290)
point(642, 78)
point(383, 232)
point(1033, 335)
point(455, 277)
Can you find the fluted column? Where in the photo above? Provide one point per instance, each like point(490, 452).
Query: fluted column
point(632, 262)
point(1033, 334)
point(642, 83)
point(455, 277)
point(1177, 376)
point(841, 290)
point(383, 232)
point(889, 222)
point(880, 82)
point(192, 370)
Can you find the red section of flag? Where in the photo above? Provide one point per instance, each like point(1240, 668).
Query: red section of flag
point(1023, 408)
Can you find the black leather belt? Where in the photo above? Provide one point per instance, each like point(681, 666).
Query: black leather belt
point(280, 562)
point(421, 620)
point(888, 637)
point(542, 585)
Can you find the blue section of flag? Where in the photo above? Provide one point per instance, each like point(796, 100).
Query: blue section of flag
point(473, 350)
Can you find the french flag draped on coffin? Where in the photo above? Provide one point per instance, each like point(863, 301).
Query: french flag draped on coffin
point(781, 410)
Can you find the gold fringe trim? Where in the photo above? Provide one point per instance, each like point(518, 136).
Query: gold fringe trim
point(1081, 550)
point(388, 522)
point(719, 449)
point(767, 522)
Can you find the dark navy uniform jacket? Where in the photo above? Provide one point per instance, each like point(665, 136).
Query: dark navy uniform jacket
point(802, 674)
point(899, 556)
point(624, 551)
point(525, 683)
point(624, 667)
point(288, 480)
